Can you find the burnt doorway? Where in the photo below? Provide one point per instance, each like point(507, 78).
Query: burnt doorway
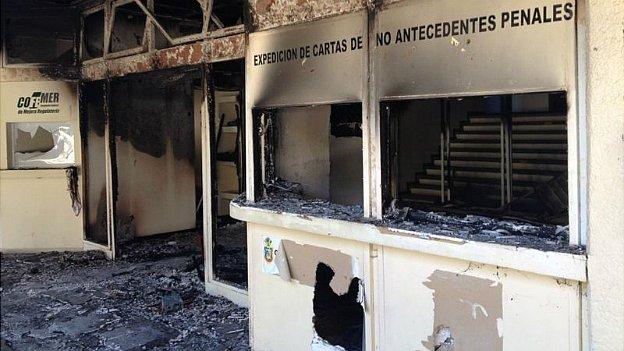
point(95, 155)
point(153, 143)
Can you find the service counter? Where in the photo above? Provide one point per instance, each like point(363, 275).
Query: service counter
point(491, 296)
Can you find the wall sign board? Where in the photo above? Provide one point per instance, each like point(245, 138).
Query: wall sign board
point(312, 63)
point(453, 47)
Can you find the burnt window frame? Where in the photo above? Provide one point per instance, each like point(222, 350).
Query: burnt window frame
point(151, 26)
point(206, 33)
point(204, 4)
point(389, 151)
point(109, 27)
point(4, 18)
point(82, 43)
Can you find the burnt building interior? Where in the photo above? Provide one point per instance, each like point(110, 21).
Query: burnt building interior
point(155, 152)
point(502, 155)
point(48, 27)
point(313, 151)
point(156, 133)
point(144, 129)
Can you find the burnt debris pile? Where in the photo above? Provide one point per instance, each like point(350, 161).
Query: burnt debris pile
point(285, 196)
point(77, 301)
point(485, 229)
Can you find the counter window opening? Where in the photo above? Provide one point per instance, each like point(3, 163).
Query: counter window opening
point(501, 156)
point(311, 152)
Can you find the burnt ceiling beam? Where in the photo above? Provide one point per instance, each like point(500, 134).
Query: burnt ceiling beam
point(212, 50)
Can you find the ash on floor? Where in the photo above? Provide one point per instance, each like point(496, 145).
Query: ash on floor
point(230, 254)
point(81, 301)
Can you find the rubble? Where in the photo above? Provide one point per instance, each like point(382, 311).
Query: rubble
point(151, 298)
point(284, 196)
point(230, 254)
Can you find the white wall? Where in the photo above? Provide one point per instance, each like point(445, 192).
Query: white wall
point(158, 191)
point(605, 103)
point(345, 181)
point(302, 151)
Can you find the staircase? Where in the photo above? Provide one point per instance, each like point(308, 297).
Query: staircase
point(539, 157)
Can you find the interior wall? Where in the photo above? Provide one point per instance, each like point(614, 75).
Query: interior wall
point(155, 150)
point(345, 181)
point(302, 151)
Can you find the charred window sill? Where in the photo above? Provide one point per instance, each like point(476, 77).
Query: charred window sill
point(547, 238)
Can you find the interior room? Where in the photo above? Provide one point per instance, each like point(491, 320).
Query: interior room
point(457, 154)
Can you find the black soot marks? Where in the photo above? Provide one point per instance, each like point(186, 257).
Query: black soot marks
point(339, 319)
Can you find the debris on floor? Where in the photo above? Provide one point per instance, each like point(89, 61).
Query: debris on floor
point(151, 298)
point(230, 254)
point(284, 196)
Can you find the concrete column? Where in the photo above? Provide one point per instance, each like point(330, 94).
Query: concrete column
point(605, 113)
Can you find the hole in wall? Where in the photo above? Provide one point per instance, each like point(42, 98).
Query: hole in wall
point(338, 319)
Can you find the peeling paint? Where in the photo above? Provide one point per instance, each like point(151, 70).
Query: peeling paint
point(267, 14)
point(213, 50)
point(471, 307)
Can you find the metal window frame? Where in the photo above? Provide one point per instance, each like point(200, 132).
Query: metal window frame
point(108, 32)
point(151, 25)
point(81, 47)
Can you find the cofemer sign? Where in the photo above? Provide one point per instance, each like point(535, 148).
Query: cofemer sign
point(38, 103)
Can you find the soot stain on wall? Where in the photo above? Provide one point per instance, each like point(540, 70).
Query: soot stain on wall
point(154, 109)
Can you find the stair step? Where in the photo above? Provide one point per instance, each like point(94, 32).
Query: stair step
point(519, 119)
point(533, 136)
point(516, 155)
point(420, 199)
point(515, 127)
point(462, 182)
point(425, 189)
point(534, 176)
point(542, 166)
point(545, 145)
point(519, 159)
